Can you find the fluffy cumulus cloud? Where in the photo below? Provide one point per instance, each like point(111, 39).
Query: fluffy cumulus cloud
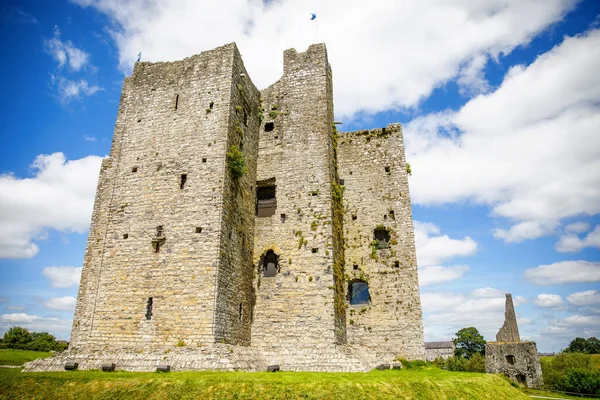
point(387, 54)
point(69, 60)
point(68, 90)
point(572, 243)
point(546, 300)
point(66, 303)
point(62, 277)
point(446, 312)
point(564, 272)
point(434, 248)
point(65, 53)
point(585, 298)
point(57, 326)
point(517, 148)
point(60, 195)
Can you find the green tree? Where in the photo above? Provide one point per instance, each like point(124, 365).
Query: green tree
point(43, 341)
point(468, 341)
point(581, 345)
point(16, 338)
point(577, 345)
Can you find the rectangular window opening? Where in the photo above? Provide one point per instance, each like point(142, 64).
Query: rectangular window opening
point(315, 250)
point(266, 202)
point(125, 235)
point(387, 169)
point(204, 159)
point(269, 126)
point(182, 181)
point(134, 169)
point(355, 267)
point(198, 229)
point(282, 217)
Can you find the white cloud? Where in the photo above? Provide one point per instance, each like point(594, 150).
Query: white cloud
point(581, 320)
point(89, 138)
point(434, 248)
point(59, 196)
point(437, 274)
point(68, 90)
point(66, 303)
point(517, 149)
point(525, 230)
point(586, 298)
point(564, 272)
point(548, 300)
point(577, 227)
point(572, 243)
point(62, 277)
point(61, 328)
point(487, 292)
point(65, 53)
point(400, 51)
point(471, 79)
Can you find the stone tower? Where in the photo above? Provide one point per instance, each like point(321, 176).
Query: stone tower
point(169, 254)
point(234, 229)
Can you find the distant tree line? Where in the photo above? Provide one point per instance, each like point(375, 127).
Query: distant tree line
point(586, 346)
point(22, 339)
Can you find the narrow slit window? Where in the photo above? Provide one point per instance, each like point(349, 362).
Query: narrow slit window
point(269, 126)
point(245, 118)
point(282, 218)
point(387, 169)
point(241, 311)
point(157, 246)
point(176, 102)
point(149, 304)
point(182, 181)
point(392, 214)
point(354, 217)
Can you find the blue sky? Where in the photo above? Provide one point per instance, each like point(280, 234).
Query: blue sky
point(500, 106)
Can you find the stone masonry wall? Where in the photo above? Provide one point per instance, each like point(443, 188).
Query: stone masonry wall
point(295, 308)
point(517, 360)
point(373, 169)
point(164, 130)
point(234, 282)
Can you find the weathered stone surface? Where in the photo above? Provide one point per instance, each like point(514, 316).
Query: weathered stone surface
point(509, 331)
point(174, 269)
point(517, 360)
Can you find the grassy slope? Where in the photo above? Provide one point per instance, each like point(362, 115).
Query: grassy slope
point(18, 357)
point(426, 383)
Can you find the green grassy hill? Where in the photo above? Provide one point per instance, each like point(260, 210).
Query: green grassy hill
point(425, 383)
point(18, 357)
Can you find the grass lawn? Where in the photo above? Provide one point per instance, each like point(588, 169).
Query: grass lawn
point(425, 383)
point(18, 357)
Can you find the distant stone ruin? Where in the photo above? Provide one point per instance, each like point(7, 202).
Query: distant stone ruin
point(512, 357)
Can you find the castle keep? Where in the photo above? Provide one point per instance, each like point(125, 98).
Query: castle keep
point(235, 228)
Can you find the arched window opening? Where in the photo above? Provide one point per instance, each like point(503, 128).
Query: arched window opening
point(358, 292)
point(270, 264)
point(510, 359)
point(382, 238)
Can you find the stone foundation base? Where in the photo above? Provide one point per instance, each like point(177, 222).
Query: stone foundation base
point(517, 360)
point(220, 357)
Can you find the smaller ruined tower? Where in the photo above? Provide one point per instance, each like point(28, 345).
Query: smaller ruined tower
point(509, 355)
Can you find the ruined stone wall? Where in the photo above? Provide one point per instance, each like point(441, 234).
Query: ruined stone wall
point(517, 360)
point(295, 307)
point(174, 119)
point(373, 169)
